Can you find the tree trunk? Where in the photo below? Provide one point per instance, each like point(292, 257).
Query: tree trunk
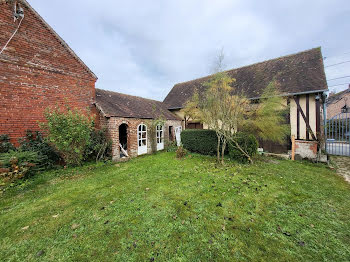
point(241, 149)
point(218, 148)
point(224, 142)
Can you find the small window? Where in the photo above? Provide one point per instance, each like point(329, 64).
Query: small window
point(194, 126)
point(345, 109)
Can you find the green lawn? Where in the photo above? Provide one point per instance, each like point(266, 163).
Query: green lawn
point(158, 208)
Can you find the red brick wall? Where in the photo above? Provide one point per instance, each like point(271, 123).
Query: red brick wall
point(37, 71)
point(334, 108)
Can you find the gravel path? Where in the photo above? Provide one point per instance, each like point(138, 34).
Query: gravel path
point(343, 166)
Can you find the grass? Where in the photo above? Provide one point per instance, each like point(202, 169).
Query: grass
point(158, 208)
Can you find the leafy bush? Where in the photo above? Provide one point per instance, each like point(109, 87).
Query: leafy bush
point(181, 152)
point(100, 146)
point(69, 132)
point(34, 142)
point(5, 144)
point(16, 165)
point(247, 142)
point(201, 141)
point(171, 146)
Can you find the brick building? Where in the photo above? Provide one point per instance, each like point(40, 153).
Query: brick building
point(37, 70)
point(128, 120)
point(338, 103)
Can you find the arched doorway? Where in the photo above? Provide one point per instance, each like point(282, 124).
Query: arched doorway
point(123, 140)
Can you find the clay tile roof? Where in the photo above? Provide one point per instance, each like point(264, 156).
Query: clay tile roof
point(121, 105)
point(295, 74)
point(338, 96)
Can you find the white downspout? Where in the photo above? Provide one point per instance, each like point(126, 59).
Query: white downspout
point(14, 33)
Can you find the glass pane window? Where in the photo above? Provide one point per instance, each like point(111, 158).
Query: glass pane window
point(142, 135)
point(159, 134)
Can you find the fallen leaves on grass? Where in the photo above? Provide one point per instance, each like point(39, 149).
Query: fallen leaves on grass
point(75, 226)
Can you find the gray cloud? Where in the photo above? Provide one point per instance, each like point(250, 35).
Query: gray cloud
point(145, 47)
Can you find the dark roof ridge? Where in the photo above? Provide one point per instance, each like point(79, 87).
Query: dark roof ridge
point(114, 104)
point(257, 63)
point(337, 96)
point(118, 93)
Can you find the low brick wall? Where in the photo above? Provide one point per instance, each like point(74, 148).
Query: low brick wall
point(306, 149)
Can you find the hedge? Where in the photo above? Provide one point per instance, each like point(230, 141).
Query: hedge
point(205, 142)
point(200, 141)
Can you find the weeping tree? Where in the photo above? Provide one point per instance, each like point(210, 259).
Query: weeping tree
point(191, 111)
point(226, 110)
point(267, 119)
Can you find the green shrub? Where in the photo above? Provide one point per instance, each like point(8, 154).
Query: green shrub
point(171, 146)
point(201, 141)
point(34, 142)
point(5, 144)
point(181, 152)
point(16, 165)
point(247, 142)
point(100, 146)
point(69, 132)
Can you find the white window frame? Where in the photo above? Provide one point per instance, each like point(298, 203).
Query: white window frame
point(160, 137)
point(178, 131)
point(141, 137)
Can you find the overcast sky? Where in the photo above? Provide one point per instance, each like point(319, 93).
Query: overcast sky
point(145, 47)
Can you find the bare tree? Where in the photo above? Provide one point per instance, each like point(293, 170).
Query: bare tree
point(218, 64)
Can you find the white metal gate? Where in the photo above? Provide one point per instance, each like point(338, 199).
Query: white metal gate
point(338, 135)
